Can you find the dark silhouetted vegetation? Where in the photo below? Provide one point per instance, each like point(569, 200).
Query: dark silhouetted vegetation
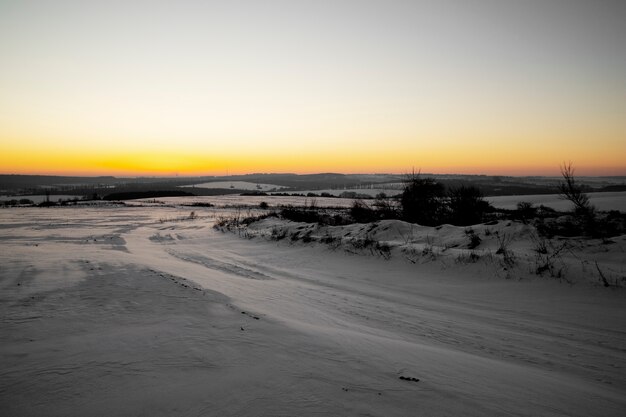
point(569, 190)
point(16, 202)
point(361, 212)
point(466, 206)
point(386, 207)
point(254, 193)
point(525, 211)
point(423, 201)
point(312, 214)
point(198, 204)
point(426, 202)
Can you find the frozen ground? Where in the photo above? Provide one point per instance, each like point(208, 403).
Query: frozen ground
point(145, 311)
point(602, 201)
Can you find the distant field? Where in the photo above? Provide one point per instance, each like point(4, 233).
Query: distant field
point(602, 201)
point(237, 185)
point(240, 200)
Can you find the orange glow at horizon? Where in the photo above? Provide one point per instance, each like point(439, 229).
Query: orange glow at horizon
point(472, 160)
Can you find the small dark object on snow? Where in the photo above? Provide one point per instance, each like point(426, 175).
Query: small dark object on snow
point(408, 378)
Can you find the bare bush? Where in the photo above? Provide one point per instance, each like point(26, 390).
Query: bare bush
point(474, 239)
point(526, 211)
point(570, 190)
point(548, 257)
point(362, 213)
point(386, 208)
point(467, 258)
point(504, 240)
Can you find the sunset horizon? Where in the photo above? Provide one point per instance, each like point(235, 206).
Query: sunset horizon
point(205, 88)
point(592, 172)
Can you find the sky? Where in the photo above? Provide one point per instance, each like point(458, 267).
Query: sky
point(353, 86)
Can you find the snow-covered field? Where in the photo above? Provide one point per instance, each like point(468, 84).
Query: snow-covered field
point(149, 311)
point(230, 201)
point(602, 201)
point(237, 185)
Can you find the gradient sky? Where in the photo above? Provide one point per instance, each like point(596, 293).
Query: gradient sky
point(216, 87)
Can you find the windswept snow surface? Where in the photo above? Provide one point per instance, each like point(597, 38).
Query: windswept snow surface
point(146, 311)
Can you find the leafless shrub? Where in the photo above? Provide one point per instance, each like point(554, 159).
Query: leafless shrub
point(374, 246)
point(383, 249)
point(474, 239)
point(468, 257)
point(504, 240)
point(332, 241)
point(306, 238)
point(526, 211)
point(617, 283)
point(409, 237)
point(362, 213)
point(428, 251)
point(387, 208)
point(278, 233)
point(548, 257)
point(570, 190)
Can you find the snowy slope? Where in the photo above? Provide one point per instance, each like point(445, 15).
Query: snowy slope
point(146, 311)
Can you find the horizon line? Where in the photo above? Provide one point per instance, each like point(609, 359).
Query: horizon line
point(175, 176)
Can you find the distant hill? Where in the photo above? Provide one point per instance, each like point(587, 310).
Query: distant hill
point(104, 185)
point(29, 181)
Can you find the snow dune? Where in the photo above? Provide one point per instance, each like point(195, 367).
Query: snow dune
point(145, 311)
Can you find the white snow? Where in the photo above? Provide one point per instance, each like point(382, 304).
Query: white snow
point(237, 185)
point(603, 201)
point(146, 311)
point(226, 201)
